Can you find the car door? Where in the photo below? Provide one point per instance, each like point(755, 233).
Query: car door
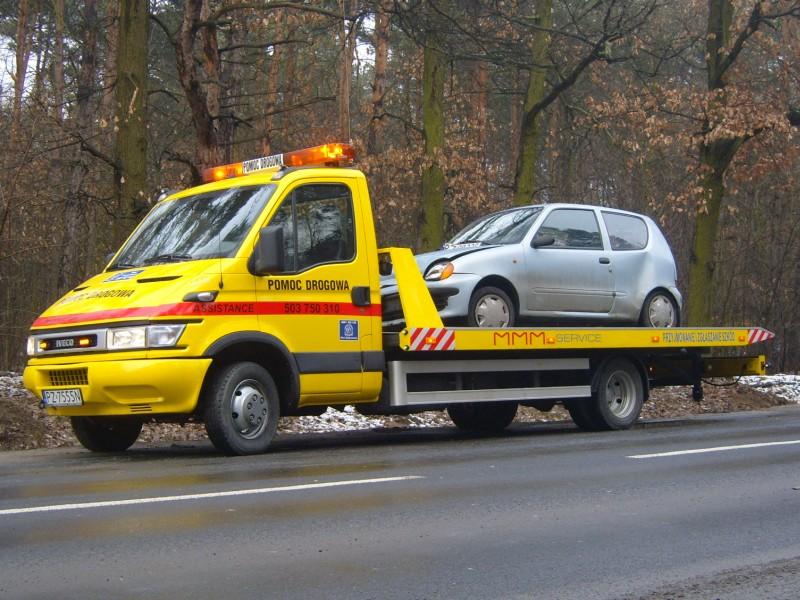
point(567, 266)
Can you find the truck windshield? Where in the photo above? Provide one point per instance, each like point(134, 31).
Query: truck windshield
point(209, 225)
point(506, 227)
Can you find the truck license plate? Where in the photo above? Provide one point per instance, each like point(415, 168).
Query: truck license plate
point(71, 397)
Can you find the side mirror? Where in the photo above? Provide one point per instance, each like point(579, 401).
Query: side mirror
point(268, 256)
point(545, 240)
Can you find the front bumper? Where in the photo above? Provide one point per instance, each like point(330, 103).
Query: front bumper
point(123, 387)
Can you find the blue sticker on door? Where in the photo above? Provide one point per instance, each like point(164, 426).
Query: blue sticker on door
point(348, 330)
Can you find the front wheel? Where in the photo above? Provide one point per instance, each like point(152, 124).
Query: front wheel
point(490, 307)
point(241, 409)
point(106, 434)
point(659, 310)
point(483, 418)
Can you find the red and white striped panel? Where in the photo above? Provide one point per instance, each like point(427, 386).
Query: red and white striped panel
point(759, 334)
point(433, 338)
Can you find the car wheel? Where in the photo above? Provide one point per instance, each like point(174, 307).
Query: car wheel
point(490, 307)
point(241, 409)
point(483, 418)
point(659, 310)
point(106, 434)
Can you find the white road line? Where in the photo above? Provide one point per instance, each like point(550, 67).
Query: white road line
point(288, 488)
point(715, 449)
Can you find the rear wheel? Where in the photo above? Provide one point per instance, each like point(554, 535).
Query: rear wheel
point(619, 395)
point(659, 310)
point(581, 414)
point(106, 434)
point(490, 307)
point(483, 418)
point(241, 409)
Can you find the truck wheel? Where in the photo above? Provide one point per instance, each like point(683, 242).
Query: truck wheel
point(106, 434)
point(490, 307)
point(241, 409)
point(483, 418)
point(580, 413)
point(619, 395)
point(659, 310)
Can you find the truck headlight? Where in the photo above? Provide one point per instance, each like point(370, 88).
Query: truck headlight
point(126, 338)
point(163, 336)
point(439, 271)
point(31, 345)
point(152, 336)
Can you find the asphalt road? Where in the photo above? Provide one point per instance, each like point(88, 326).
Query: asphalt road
point(541, 512)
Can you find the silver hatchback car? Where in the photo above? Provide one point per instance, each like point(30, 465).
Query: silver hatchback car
point(553, 262)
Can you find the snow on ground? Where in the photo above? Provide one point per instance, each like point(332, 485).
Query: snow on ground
point(785, 386)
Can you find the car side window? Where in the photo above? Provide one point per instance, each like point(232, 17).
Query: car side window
point(318, 227)
point(626, 232)
point(571, 228)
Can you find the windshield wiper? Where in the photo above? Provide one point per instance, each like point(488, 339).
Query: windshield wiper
point(121, 265)
point(166, 258)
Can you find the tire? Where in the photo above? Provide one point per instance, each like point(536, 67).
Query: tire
point(490, 307)
point(241, 409)
point(659, 310)
point(483, 418)
point(581, 414)
point(618, 395)
point(106, 434)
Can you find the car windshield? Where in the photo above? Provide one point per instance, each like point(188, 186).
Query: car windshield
point(209, 225)
point(507, 227)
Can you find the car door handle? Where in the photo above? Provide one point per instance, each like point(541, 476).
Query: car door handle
point(605, 261)
point(360, 295)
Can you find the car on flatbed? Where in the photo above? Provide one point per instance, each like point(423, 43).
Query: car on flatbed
point(554, 262)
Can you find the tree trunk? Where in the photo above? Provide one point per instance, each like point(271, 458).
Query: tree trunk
point(111, 22)
point(530, 127)
point(130, 118)
point(346, 69)
point(73, 244)
point(21, 66)
point(272, 87)
point(433, 131)
point(58, 63)
point(374, 141)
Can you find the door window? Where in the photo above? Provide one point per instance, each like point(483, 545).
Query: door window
point(626, 232)
point(571, 228)
point(317, 223)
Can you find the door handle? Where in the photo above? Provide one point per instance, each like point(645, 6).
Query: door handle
point(605, 261)
point(360, 295)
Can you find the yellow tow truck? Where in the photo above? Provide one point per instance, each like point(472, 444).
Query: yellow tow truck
point(257, 295)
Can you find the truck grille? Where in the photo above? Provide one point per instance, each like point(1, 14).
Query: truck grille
point(68, 377)
point(140, 408)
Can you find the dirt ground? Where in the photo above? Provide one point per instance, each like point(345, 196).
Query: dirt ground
point(24, 426)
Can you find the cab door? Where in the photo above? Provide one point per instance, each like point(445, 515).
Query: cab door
point(315, 306)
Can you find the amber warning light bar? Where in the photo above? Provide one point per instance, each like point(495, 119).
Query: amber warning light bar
point(331, 155)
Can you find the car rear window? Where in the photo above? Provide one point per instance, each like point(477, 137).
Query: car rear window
point(626, 232)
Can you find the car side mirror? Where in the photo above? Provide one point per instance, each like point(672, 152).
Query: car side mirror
point(268, 256)
point(545, 240)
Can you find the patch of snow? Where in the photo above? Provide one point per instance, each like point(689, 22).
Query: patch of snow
point(11, 385)
point(783, 385)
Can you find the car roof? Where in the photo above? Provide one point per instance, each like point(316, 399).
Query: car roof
point(570, 205)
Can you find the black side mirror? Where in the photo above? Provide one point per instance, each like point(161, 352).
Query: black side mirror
point(545, 240)
point(268, 256)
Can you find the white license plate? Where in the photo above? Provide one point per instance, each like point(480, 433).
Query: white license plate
point(71, 397)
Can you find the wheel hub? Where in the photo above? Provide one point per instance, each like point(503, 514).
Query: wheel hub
point(491, 311)
point(249, 409)
point(620, 394)
point(661, 312)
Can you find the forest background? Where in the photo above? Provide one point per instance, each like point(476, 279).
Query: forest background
point(686, 110)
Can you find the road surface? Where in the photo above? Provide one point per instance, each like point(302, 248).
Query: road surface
point(706, 507)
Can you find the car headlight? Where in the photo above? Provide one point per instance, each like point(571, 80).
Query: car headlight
point(439, 271)
point(152, 336)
